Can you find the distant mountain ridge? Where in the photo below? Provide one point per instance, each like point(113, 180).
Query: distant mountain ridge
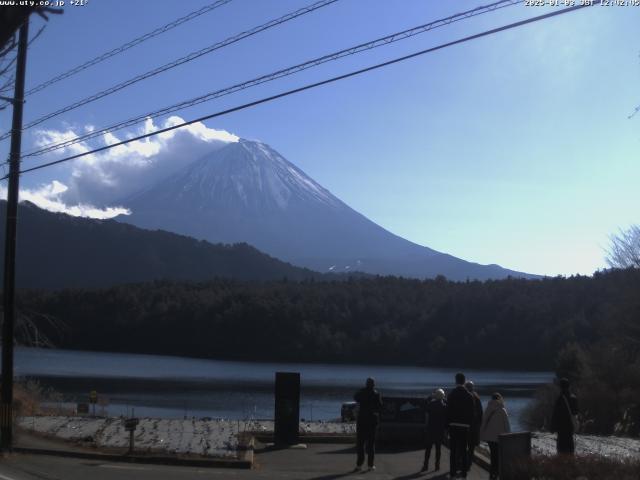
point(248, 192)
point(55, 250)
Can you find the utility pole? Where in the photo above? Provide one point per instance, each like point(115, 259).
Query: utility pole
point(6, 389)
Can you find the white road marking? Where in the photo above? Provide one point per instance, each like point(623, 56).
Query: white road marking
point(3, 477)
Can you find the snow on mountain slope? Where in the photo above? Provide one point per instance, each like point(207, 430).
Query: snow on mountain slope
point(248, 192)
point(251, 175)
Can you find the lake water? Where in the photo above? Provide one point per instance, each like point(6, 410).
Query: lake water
point(176, 386)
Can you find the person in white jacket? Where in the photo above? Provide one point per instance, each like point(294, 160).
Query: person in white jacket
point(495, 421)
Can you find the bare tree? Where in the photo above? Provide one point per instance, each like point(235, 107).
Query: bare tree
point(28, 334)
point(624, 251)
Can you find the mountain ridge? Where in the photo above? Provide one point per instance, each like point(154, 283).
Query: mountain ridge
point(90, 253)
point(247, 192)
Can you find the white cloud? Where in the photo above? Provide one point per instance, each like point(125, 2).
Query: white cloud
point(105, 178)
point(49, 197)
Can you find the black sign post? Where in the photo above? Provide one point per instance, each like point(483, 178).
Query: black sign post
point(287, 408)
point(130, 425)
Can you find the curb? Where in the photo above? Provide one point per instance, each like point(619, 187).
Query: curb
point(155, 460)
point(328, 438)
point(313, 438)
point(482, 461)
point(244, 460)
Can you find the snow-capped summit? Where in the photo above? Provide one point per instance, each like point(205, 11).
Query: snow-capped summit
point(248, 192)
point(252, 175)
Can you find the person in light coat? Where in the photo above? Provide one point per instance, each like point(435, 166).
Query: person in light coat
point(495, 421)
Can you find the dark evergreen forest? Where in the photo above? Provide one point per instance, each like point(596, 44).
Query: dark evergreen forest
point(506, 324)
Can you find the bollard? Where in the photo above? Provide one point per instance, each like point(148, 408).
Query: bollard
point(513, 448)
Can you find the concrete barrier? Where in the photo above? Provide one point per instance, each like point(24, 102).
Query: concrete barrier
point(513, 448)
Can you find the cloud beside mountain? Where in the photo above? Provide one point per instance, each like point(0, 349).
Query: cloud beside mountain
point(96, 182)
point(49, 197)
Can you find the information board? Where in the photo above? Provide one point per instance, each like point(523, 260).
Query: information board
point(287, 408)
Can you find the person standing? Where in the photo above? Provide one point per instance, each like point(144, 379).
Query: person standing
point(474, 432)
point(460, 413)
point(563, 421)
point(370, 403)
point(436, 424)
point(494, 423)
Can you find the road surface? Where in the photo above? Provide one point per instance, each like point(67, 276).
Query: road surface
point(317, 462)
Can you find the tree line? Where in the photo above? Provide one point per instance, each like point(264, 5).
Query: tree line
point(505, 324)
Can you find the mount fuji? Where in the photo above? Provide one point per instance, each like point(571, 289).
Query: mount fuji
point(248, 192)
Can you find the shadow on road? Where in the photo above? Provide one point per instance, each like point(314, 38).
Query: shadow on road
point(379, 450)
point(351, 450)
point(411, 476)
point(333, 476)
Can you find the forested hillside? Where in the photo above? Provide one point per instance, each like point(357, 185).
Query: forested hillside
point(56, 250)
point(505, 324)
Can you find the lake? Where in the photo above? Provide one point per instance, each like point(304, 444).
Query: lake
point(163, 386)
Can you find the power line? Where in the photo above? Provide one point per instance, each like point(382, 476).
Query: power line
point(180, 61)
point(279, 74)
point(128, 45)
point(314, 85)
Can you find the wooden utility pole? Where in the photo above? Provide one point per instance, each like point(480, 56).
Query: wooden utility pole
point(6, 389)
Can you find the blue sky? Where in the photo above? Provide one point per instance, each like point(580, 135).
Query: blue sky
point(513, 149)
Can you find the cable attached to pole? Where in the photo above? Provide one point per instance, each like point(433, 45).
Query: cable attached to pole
point(9, 285)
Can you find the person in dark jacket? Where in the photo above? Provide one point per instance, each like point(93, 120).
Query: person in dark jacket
point(474, 432)
point(370, 403)
point(564, 417)
point(460, 418)
point(436, 425)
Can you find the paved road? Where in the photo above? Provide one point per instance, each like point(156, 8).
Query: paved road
point(318, 462)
